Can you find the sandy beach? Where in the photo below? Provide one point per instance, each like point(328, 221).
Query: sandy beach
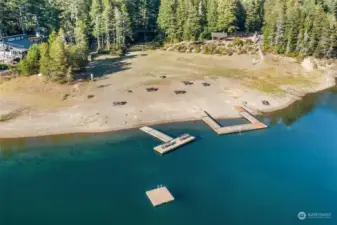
point(43, 108)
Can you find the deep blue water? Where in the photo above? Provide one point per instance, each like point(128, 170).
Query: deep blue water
point(256, 178)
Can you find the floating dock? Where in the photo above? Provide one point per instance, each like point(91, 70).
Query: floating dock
point(159, 196)
point(254, 124)
point(170, 143)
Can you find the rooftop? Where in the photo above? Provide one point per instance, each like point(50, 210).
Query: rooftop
point(18, 42)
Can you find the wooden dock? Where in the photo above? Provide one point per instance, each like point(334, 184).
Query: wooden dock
point(159, 196)
point(175, 143)
point(254, 124)
point(157, 134)
point(169, 144)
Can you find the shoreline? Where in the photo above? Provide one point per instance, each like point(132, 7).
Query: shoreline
point(163, 122)
point(97, 115)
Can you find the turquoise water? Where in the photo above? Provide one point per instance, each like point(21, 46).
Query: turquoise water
point(261, 178)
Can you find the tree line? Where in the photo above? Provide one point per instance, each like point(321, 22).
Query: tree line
point(290, 27)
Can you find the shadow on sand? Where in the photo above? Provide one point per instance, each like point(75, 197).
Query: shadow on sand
point(106, 66)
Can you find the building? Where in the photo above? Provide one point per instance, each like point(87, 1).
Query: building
point(14, 47)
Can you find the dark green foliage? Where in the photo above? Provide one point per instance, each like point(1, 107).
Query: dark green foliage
point(58, 60)
point(44, 59)
point(289, 27)
point(300, 28)
point(3, 67)
point(30, 65)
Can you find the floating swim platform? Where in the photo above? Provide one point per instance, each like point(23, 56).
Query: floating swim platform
point(159, 196)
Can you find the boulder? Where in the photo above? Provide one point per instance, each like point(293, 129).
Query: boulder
point(308, 64)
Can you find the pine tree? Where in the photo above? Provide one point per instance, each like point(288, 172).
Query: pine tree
point(167, 19)
point(96, 18)
point(293, 26)
point(80, 34)
point(253, 19)
point(58, 60)
point(30, 65)
point(212, 15)
point(44, 59)
point(280, 27)
point(52, 37)
point(226, 16)
point(191, 26)
point(108, 18)
point(181, 18)
point(332, 50)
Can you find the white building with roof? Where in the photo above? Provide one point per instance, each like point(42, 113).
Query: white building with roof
point(14, 47)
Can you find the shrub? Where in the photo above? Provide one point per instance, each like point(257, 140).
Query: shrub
point(196, 48)
point(181, 48)
point(117, 50)
point(277, 50)
point(237, 42)
point(3, 67)
point(248, 42)
point(210, 48)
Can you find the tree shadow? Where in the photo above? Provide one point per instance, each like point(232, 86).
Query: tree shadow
point(106, 66)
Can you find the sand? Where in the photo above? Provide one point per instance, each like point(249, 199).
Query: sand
point(233, 81)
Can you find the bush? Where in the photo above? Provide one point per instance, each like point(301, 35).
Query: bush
point(277, 50)
point(196, 48)
point(182, 48)
point(237, 42)
point(209, 48)
point(117, 50)
point(78, 57)
point(3, 67)
point(300, 57)
point(248, 42)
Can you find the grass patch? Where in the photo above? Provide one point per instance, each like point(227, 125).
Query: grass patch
point(273, 84)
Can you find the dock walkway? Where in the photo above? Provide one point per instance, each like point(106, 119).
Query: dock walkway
point(169, 143)
point(163, 137)
point(254, 124)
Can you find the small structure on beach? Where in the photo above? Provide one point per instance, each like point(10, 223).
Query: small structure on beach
point(219, 35)
point(180, 92)
point(169, 143)
point(159, 196)
point(152, 89)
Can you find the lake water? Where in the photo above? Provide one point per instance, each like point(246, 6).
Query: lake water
point(256, 178)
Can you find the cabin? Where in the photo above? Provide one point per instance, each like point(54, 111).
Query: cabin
point(14, 47)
